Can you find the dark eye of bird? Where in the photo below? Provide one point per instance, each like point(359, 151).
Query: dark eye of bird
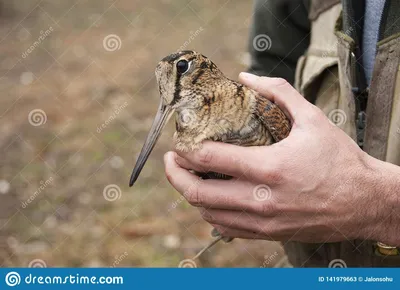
point(182, 66)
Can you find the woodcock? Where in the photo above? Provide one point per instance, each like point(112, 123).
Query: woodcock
point(209, 106)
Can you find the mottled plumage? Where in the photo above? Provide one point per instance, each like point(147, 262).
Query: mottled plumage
point(209, 106)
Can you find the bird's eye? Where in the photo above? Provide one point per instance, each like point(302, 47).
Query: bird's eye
point(182, 66)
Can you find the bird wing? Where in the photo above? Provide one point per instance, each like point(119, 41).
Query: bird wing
point(272, 118)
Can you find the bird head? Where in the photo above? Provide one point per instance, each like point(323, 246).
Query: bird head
point(182, 76)
point(183, 80)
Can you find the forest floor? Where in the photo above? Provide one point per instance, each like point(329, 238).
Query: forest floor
point(74, 114)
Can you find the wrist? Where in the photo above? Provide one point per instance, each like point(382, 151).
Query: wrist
point(383, 197)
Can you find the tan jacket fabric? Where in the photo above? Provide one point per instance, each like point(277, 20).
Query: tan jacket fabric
point(323, 76)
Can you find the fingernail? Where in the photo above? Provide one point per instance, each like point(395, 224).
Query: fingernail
point(249, 78)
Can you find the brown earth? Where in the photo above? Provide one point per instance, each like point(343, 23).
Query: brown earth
point(96, 108)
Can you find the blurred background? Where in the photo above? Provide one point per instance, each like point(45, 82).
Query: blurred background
point(78, 96)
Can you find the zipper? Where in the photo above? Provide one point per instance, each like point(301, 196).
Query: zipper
point(358, 83)
point(360, 93)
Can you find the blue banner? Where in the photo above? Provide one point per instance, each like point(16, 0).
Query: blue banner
point(204, 279)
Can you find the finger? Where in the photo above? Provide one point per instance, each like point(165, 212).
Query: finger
point(184, 163)
point(181, 179)
point(234, 233)
point(206, 193)
point(279, 91)
point(243, 234)
point(213, 193)
point(199, 170)
point(239, 220)
point(279, 228)
point(229, 159)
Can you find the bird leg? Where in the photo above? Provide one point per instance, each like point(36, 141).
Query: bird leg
point(218, 237)
point(208, 246)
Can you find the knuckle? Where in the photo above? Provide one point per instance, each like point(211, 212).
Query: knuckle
point(273, 82)
point(272, 176)
point(315, 116)
point(251, 173)
point(207, 216)
point(192, 195)
point(268, 208)
point(258, 227)
point(269, 232)
point(283, 85)
point(205, 156)
point(227, 200)
point(247, 168)
point(280, 82)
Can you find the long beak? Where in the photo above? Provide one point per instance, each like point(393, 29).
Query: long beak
point(163, 114)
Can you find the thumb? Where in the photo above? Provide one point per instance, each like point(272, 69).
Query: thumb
point(279, 91)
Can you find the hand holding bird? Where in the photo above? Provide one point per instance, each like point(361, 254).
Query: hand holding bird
point(320, 184)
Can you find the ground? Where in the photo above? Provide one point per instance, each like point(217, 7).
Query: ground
point(78, 95)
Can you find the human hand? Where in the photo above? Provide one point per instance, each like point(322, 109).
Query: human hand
point(311, 187)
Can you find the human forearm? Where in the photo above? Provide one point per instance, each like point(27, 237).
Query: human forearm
point(384, 192)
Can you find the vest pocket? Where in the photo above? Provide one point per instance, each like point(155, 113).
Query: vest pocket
point(317, 79)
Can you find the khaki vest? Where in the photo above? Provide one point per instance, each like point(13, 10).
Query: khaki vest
point(323, 76)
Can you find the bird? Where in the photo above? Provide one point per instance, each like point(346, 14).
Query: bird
point(209, 106)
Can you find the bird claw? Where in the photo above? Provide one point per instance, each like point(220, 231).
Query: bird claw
point(216, 234)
